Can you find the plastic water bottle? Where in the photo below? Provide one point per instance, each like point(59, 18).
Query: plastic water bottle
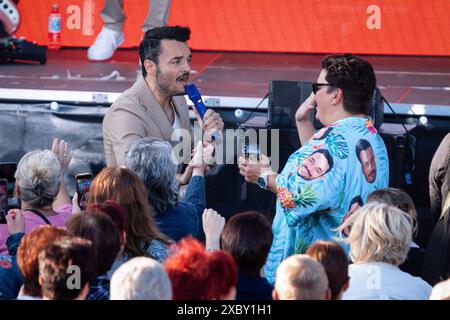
point(54, 28)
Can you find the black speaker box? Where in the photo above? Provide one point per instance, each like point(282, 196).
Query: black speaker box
point(399, 149)
point(284, 99)
point(286, 96)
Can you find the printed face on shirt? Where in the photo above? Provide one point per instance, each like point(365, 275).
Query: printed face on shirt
point(314, 166)
point(173, 67)
point(368, 164)
point(353, 207)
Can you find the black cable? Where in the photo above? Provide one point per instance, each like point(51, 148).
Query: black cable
point(256, 108)
point(396, 116)
point(409, 166)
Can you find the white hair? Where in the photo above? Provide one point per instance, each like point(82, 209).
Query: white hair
point(379, 233)
point(300, 277)
point(38, 177)
point(141, 278)
point(151, 160)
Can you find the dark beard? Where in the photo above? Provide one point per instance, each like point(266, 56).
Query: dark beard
point(166, 87)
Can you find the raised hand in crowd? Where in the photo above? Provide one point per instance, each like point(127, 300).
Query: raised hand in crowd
point(199, 163)
point(213, 224)
point(202, 157)
point(61, 150)
point(15, 221)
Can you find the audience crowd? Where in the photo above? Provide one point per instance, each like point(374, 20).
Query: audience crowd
point(137, 240)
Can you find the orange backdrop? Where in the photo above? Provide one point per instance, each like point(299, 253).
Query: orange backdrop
point(404, 27)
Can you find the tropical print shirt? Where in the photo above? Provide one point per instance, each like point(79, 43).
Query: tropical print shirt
point(322, 183)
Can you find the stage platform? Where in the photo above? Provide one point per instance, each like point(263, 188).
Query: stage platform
point(413, 85)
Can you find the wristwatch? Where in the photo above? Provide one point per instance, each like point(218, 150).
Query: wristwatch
point(263, 180)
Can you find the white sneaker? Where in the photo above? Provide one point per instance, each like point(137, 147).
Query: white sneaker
point(105, 44)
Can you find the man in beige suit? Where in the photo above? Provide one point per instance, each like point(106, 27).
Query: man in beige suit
point(155, 105)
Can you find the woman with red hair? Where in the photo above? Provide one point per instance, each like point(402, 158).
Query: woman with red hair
point(197, 274)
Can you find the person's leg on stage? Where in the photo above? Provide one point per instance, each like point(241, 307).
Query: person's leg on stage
point(111, 37)
point(158, 14)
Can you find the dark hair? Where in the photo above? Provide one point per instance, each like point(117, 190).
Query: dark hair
point(54, 263)
point(357, 200)
point(150, 47)
point(327, 155)
point(197, 274)
point(27, 255)
point(362, 144)
point(334, 260)
point(355, 77)
point(102, 231)
point(248, 237)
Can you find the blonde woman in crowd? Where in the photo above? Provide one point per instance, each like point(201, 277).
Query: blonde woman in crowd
point(379, 241)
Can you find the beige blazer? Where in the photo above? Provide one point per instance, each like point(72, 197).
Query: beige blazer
point(134, 115)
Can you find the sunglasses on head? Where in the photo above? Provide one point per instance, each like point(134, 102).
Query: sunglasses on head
point(316, 86)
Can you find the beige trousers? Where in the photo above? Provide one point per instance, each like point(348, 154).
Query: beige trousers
point(113, 16)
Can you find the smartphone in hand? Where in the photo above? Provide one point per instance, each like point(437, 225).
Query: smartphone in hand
point(251, 152)
point(3, 200)
point(83, 182)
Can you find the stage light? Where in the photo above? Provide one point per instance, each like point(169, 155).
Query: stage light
point(54, 106)
point(423, 120)
point(238, 113)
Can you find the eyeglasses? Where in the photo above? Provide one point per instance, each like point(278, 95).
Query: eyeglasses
point(316, 86)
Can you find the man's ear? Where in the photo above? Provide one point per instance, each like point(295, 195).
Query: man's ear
point(150, 67)
point(337, 96)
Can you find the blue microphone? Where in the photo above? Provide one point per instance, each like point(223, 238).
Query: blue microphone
point(196, 98)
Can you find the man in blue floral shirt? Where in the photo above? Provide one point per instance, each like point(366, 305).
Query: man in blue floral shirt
point(344, 160)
